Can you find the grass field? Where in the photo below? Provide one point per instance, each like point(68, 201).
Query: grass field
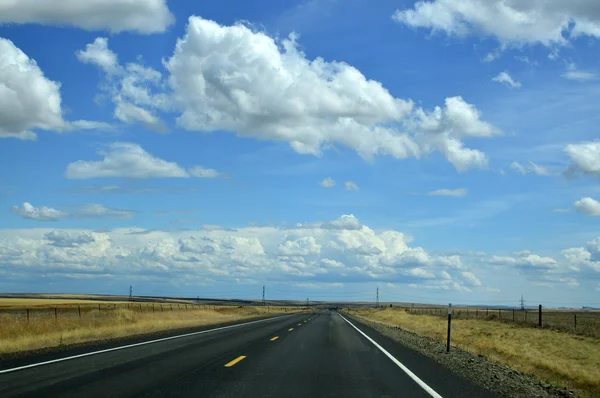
point(79, 322)
point(555, 357)
point(585, 323)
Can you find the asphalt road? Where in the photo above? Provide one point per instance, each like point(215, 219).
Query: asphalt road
point(301, 355)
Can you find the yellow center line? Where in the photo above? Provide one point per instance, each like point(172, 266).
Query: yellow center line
point(230, 364)
point(274, 338)
point(299, 324)
point(290, 329)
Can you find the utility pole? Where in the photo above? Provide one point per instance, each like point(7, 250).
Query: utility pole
point(377, 303)
point(263, 294)
point(130, 292)
point(522, 303)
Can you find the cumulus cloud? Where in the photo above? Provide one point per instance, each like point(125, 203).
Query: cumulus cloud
point(351, 186)
point(327, 182)
point(344, 222)
point(142, 16)
point(504, 78)
point(299, 255)
point(585, 157)
point(30, 101)
point(449, 192)
point(470, 278)
point(138, 92)
point(27, 210)
point(512, 23)
point(231, 78)
point(525, 261)
point(128, 160)
point(588, 206)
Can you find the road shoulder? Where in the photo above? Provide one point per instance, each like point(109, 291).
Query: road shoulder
point(478, 370)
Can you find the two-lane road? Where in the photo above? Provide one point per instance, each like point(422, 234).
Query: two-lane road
point(300, 355)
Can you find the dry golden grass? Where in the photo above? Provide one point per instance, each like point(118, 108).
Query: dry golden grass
point(555, 357)
point(21, 303)
point(17, 334)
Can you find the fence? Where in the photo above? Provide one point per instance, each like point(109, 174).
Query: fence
point(97, 310)
point(586, 323)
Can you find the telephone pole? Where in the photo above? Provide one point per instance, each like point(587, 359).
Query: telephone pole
point(263, 294)
point(522, 304)
point(377, 304)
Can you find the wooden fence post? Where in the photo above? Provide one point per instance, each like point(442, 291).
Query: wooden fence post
point(449, 327)
point(575, 317)
point(99, 310)
point(55, 313)
point(499, 313)
point(27, 314)
point(540, 316)
point(141, 310)
point(79, 311)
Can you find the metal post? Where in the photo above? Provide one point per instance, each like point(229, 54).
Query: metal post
point(449, 326)
point(27, 314)
point(513, 314)
point(540, 316)
point(55, 313)
point(575, 317)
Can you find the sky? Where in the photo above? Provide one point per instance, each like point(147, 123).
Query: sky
point(441, 150)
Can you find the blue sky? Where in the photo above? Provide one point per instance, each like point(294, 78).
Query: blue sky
point(443, 151)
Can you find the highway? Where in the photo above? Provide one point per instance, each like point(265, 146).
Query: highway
point(301, 355)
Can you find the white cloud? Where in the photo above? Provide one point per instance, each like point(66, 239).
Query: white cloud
point(512, 23)
point(538, 169)
point(518, 167)
point(351, 186)
point(588, 206)
point(128, 160)
point(327, 182)
point(230, 78)
point(459, 192)
point(142, 16)
point(98, 53)
point(585, 157)
point(471, 279)
point(504, 78)
point(525, 261)
point(533, 168)
point(297, 255)
point(201, 172)
point(125, 160)
point(38, 213)
point(138, 92)
point(30, 101)
point(347, 221)
point(101, 211)
point(573, 73)
point(306, 246)
point(84, 211)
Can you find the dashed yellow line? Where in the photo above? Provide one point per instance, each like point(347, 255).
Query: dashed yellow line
point(290, 329)
point(230, 364)
point(274, 338)
point(299, 324)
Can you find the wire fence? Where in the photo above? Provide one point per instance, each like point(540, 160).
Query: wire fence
point(585, 323)
point(99, 310)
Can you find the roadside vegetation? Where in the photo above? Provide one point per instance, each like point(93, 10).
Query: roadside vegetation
point(82, 322)
point(555, 357)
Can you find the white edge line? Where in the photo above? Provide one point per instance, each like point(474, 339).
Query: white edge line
point(406, 370)
point(87, 354)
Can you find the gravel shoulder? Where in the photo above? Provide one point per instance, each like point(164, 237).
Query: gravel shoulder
point(494, 377)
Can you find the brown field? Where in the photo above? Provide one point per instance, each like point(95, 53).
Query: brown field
point(54, 323)
point(556, 357)
point(585, 323)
